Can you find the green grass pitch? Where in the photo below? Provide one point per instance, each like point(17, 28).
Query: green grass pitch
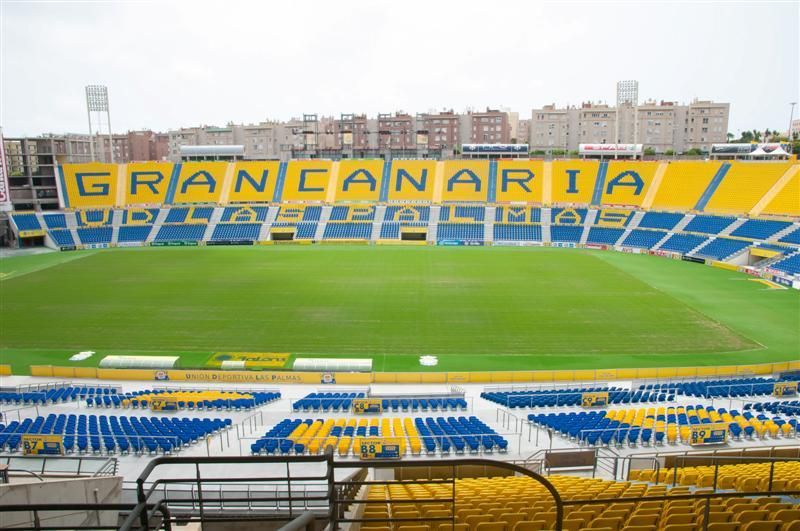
point(473, 308)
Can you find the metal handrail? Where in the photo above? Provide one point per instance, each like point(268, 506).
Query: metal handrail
point(84, 507)
point(304, 521)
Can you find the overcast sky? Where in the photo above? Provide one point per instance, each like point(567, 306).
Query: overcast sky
point(170, 64)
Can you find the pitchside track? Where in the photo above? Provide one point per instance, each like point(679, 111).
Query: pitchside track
point(475, 309)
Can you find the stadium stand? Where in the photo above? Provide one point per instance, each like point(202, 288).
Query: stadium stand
point(462, 213)
point(93, 218)
point(508, 215)
point(708, 224)
point(101, 434)
point(644, 239)
point(516, 503)
point(682, 243)
point(565, 233)
point(54, 395)
point(95, 235)
point(55, 221)
point(429, 434)
point(236, 232)
point(683, 184)
point(134, 233)
point(391, 229)
point(178, 232)
point(658, 425)
point(791, 407)
point(407, 213)
point(347, 231)
point(189, 215)
point(792, 237)
point(568, 216)
point(790, 264)
point(760, 229)
point(722, 248)
point(744, 185)
point(787, 201)
point(461, 231)
point(354, 213)
point(729, 388)
point(660, 220)
point(517, 232)
point(244, 214)
point(604, 235)
point(26, 221)
point(326, 401)
point(571, 396)
point(186, 399)
point(745, 477)
point(61, 237)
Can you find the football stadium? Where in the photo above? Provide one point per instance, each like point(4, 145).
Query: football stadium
point(416, 281)
point(411, 344)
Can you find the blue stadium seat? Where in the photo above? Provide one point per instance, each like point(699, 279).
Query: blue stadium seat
point(660, 220)
point(95, 234)
point(178, 232)
point(347, 231)
point(460, 212)
point(236, 232)
point(722, 248)
point(708, 224)
point(682, 243)
point(604, 235)
point(760, 229)
point(26, 221)
point(460, 231)
point(644, 239)
point(790, 264)
point(134, 233)
point(566, 233)
point(517, 232)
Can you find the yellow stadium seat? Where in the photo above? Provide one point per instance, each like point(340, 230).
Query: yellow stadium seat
point(528, 525)
point(744, 185)
point(765, 525)
point(724, 526)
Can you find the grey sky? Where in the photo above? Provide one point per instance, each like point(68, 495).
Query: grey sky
point(173, 64)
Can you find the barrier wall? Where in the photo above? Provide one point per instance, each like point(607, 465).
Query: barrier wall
point(290, 377)
point(5, 370)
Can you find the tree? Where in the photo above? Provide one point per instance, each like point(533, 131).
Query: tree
point(730, 137)
point(649, 151)
point(671, 152)
point(693, 152)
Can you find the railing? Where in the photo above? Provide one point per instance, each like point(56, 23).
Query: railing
point(452, 500)
point(293, 501)
point(62, 466)
point(246, 506)
point(92, 511)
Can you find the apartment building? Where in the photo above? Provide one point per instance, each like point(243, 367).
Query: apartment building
point(661, 126)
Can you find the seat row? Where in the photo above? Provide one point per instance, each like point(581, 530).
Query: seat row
point(790, 407)
point(189, 399)
point(441, 435)
point(54, 395)
point(657, 426)
point(108, 435)
point(745, 477)
point(520, 504)
point(571, 397)
point(727, 388)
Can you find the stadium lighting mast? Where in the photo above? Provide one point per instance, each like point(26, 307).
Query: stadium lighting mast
point(627, 92)
point(791, 117)
point(97, 102)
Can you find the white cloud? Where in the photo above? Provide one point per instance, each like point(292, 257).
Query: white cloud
point(172, 64)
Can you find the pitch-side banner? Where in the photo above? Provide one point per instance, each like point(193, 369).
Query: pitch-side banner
point(5, 193)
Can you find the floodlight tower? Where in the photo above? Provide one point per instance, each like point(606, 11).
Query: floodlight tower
point(627, 92)
point(96, 105)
